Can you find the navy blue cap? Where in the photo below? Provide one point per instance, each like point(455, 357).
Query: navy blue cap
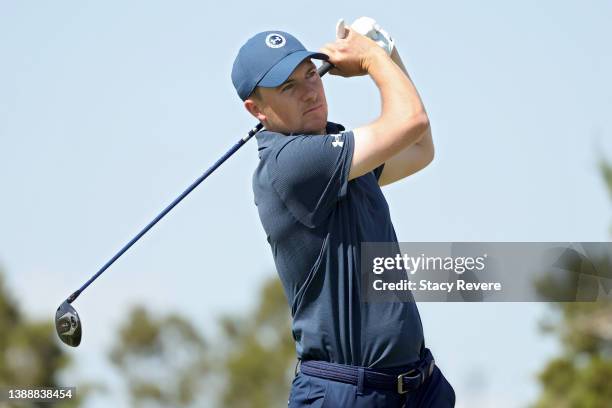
point(267, 60)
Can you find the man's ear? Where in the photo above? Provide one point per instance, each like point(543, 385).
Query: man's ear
point(254, 108)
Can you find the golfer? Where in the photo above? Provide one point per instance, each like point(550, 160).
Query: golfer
point(317, 191)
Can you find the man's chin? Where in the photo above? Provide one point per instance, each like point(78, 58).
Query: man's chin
point(312, 127)
point(317, 128)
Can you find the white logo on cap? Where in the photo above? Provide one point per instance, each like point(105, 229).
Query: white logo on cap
point(275, 40)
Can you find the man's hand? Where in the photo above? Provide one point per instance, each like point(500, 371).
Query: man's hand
point(352, 55)
point(367, 26)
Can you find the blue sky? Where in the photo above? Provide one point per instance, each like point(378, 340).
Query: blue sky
point(109, 110)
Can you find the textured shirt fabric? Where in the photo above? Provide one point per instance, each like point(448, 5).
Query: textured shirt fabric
point(315, 220)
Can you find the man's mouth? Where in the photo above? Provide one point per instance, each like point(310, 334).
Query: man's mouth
point(313, 109)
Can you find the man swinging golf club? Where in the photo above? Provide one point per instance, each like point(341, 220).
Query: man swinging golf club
point(317, 190)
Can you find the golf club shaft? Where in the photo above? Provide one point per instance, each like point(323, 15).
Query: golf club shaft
point(323, 69)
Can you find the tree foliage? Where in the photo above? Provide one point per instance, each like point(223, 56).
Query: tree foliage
point(261, 359)
point(163, 360)
point(582, 375)
point(30, 355)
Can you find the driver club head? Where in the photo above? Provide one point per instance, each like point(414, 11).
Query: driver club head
point(68, 324)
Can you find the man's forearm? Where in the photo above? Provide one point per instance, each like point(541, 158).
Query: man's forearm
point(426, 138)
point(398, 60)
point(400, 99)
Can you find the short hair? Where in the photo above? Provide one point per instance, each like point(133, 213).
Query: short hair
point(255, 94)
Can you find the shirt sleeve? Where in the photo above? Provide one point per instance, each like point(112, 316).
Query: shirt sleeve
point(310, 174)
point(378, 171)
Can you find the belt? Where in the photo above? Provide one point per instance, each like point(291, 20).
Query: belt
point(397, 379)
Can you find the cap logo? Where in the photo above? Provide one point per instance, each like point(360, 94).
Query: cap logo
point(275, 40)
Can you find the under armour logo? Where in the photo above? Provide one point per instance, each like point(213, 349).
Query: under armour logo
point(337, 142)
point(275, 40)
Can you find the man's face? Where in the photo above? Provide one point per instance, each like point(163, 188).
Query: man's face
point(296, 106)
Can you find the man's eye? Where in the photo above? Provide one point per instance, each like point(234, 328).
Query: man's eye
point(312, 73)
point(287, 88)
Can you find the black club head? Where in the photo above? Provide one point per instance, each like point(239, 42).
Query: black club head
point(68, 324)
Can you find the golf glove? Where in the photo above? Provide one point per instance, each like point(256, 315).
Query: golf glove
point(368, 27)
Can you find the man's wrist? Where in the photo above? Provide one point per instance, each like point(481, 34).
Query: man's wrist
point(376, 56)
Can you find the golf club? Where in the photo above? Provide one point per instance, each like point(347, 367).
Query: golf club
point(67, 322)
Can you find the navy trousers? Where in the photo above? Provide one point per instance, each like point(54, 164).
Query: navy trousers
point(308, 391)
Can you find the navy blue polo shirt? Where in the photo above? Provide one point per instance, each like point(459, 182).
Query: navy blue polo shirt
point(315, 220)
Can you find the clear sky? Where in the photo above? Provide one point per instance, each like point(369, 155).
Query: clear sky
point(108, 110)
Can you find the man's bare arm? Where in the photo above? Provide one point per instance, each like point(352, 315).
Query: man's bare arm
point(412, 158)
point(403, 119)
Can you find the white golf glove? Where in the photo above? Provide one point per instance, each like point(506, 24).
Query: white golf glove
point(368, 27)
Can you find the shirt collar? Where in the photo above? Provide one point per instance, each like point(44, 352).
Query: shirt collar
point(266, 138)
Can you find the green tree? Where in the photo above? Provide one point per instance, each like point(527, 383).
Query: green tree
point(260, 362)
point(30, 354)
point(606, 170)
point(582, 375)
point(163, 360)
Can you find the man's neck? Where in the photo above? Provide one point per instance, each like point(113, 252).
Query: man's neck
point(300, 132)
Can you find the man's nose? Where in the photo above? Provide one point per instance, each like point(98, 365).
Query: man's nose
point(310, 93)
